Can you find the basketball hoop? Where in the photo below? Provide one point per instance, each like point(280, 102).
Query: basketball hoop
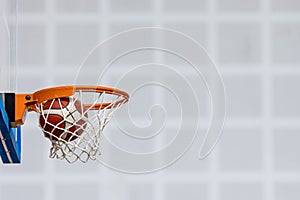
point(83, 112)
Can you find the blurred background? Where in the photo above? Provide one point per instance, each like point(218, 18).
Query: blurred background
point(255, 45)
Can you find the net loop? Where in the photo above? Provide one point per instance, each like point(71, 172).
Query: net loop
point(77, 133)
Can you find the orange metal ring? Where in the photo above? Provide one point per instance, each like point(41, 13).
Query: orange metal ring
point(26, 102)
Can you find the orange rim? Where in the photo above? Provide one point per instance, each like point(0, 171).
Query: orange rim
point(26, 102)
point(65, 91)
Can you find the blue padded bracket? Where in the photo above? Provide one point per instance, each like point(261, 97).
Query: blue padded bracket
point(10, 143)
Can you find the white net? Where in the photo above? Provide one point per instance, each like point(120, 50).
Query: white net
point(74, 127)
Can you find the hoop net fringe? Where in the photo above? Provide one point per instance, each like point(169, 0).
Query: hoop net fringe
point(86, 146)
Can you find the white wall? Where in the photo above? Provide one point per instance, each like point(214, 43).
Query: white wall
point(256, 46)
